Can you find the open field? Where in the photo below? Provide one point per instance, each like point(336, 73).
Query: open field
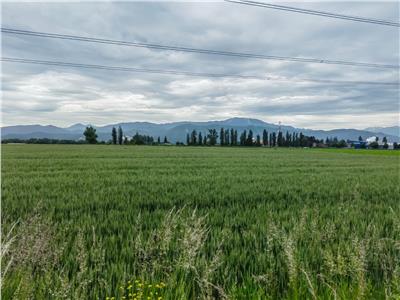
point(212, 222)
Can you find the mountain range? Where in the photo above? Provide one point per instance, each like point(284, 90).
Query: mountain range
point(176, 131)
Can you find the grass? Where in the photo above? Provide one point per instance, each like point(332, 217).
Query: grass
point(210, 223)
point(362, 151)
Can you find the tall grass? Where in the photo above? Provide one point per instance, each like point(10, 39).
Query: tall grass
point(209, 223)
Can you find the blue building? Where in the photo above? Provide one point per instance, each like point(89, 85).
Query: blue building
point(358, 144)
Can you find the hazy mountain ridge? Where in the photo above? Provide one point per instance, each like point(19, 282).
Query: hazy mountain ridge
point(176, 131)
point(393, 130)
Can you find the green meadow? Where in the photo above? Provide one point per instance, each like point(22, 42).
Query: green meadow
point(167, 222)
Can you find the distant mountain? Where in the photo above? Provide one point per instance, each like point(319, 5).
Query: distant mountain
point(76, 127)
point(176, 131)
point(36, 131)
point(26, 129)
point(393, 130)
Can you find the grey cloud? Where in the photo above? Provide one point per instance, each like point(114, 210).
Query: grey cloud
point(83, 95)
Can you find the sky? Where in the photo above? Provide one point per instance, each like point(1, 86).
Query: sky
point(62, 96)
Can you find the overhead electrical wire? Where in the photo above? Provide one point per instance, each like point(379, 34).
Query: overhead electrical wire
point(316, 12)
point(195, 50)
point(187, 73)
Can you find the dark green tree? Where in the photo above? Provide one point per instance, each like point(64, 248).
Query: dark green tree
point(295, 138)
point(193, 137)
point(373, 145)
point(249, 140)
point(90, 135)
point(360, 139)
point(138, 139)
point(265, 138)
point(385, 144)
point(212, 136)
point(120, 135)
point(341, 144)
point(280, 139)
point(165, 140)
point(235, 137)
point(200, 139)
point(243, 138)
point(302, 140)
point(187, 139)
point(273, 139)
point(288, 139)
point(258, 140)
point(222, 137)
point(158, 140)
point(114, 135)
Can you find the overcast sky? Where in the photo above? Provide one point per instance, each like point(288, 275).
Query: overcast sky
point(33, 94)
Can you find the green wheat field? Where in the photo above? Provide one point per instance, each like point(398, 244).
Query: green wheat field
point(159, 222)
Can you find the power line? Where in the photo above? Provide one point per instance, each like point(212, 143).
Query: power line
point(194, 50)
point(316, 12)
point(118, 68)
point(186, 73)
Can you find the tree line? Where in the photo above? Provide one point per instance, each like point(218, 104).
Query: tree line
point(118, 138)
point(222, 137)
point(231, 137)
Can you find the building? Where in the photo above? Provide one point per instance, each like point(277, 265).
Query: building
point(357, 144)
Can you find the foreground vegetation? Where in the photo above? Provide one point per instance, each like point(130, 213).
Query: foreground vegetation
point(93, 221)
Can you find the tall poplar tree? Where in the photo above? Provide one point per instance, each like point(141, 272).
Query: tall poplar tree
point(265, 138)
point(273, 139)
point(235, 138)
point(249, 140)
point(193, 137)
point(280, 139)
point(120, 135)
point(243, 138)
point(258, 140)
point(114, 135)
point(222, 136)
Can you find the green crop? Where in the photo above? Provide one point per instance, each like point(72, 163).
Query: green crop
point(88, 221)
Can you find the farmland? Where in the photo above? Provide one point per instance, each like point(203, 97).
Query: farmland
point(208, 223)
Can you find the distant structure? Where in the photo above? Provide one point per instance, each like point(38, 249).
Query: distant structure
point(357, 144)
point(365, 144)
